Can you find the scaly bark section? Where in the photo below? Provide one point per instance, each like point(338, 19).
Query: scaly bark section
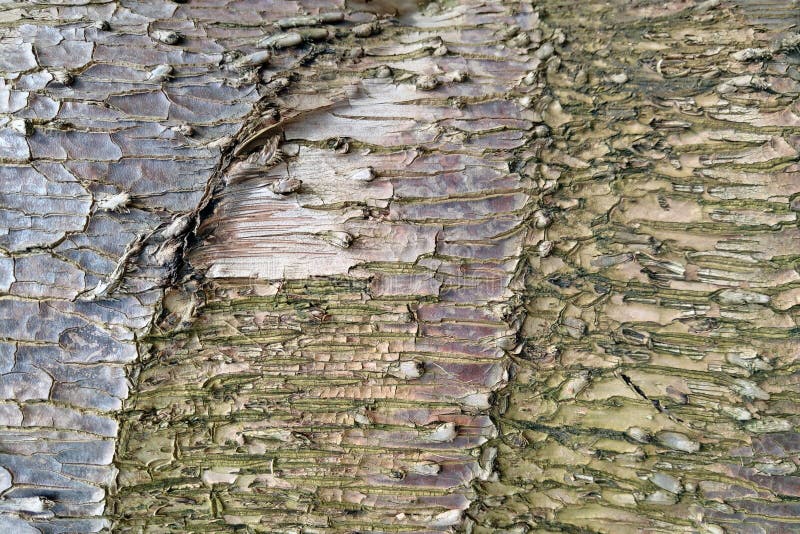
point(329, 361)
point(115, 116)
point(658, 388)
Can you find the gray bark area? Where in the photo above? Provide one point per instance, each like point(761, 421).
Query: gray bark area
point(316, 266)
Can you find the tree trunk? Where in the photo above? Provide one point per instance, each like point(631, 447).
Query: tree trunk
point(319, 266)
point(657, 391)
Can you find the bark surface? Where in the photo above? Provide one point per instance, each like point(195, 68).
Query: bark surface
point(657, 391)
point(479, 266)
point(350, 329)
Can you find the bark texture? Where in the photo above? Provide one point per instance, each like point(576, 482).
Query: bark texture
point(351, 328)
point(97, 158)
point(327, 266)
point(657, 391)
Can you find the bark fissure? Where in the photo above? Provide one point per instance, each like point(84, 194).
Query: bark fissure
point(330, 363)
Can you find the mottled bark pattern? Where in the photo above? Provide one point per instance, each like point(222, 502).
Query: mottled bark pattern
point(97, 156)
point(373, 266)
point(331, 366)
point(658, 388)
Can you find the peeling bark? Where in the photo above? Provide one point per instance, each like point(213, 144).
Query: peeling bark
point(319, 266)
point(333, 366)
point(657, 389)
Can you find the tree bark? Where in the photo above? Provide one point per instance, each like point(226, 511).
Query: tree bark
point(657, 389)
point(319, 266)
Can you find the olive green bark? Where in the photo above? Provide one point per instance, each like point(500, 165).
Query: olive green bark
point(328, 356)
point(657, 391)
point(601, 203)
